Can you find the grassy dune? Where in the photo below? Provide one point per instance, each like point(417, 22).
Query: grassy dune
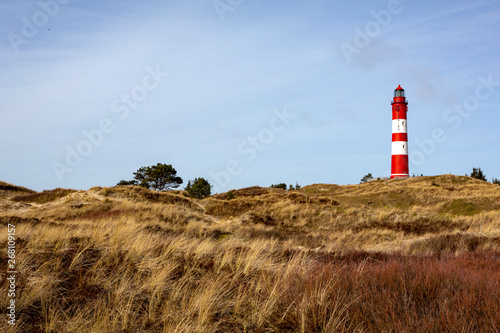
point(416, 255)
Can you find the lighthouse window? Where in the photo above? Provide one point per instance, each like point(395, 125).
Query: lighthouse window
point(403, 146)
point(403, 122)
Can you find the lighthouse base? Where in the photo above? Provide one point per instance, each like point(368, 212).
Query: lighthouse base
point(400, 177)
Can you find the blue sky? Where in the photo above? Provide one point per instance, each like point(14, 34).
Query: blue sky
point(244, 92)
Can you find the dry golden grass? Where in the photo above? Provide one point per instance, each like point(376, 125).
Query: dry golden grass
point(6, 189)
point(418, 255)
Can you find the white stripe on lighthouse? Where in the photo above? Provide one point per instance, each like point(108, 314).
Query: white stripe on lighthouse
point(400, 148)
point(399, 126)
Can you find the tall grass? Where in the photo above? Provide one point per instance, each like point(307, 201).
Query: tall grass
point(126, 260)
point(43, 197)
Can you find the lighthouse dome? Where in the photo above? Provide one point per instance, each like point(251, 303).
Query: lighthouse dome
point(399, 92)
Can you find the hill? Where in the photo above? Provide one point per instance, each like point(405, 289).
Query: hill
point(416, 255)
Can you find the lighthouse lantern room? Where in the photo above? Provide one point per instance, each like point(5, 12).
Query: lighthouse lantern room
point(399, 158)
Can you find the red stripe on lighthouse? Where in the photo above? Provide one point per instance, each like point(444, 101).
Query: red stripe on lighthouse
point(398, 114)
point(399, 166)
point(399, 137)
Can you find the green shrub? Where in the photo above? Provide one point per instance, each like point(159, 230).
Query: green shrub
point(366, 177)
point(199, 188)
point(478, 174)
point(280, 185)
point(230, 195)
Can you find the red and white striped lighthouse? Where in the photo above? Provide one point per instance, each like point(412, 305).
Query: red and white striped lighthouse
point(399, 158)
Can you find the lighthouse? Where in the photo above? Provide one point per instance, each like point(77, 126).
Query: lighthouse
point(399, 158)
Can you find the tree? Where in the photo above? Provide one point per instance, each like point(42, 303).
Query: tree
point(495, 181)
point(280, 185)
point(478, 174)
point(199, 188)
point(366, 178)
point(297, 186)
point(158, 177)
